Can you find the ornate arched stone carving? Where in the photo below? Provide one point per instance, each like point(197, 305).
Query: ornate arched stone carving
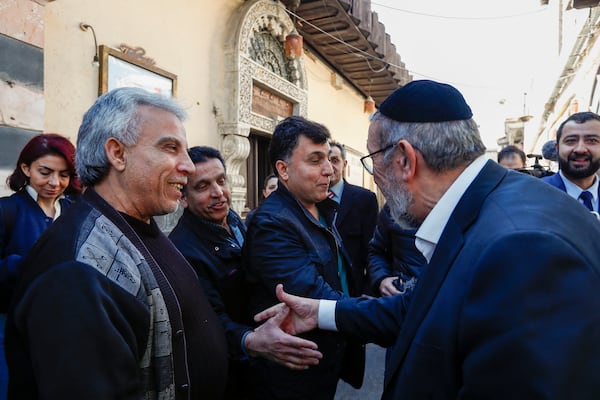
point(268, 52)
point(256, 57)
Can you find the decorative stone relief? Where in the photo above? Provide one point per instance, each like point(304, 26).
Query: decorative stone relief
point(235, 151)
point(252, 72)
point(264, 15)
point(268, 52)
point(257, 56)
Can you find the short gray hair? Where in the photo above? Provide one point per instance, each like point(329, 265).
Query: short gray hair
point(444, 145)
point(114, 114)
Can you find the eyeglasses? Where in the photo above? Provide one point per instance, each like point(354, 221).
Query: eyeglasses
point(367, 161)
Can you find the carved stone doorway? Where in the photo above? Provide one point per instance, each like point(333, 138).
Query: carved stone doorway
point(265, 87)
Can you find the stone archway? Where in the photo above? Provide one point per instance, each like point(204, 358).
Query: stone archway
point(255, 62)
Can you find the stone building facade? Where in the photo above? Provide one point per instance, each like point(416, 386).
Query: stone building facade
point(229, 65)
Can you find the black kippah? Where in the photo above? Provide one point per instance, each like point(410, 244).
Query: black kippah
point(426, 101)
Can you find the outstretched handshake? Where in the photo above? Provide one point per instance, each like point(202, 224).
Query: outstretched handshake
point(294, 315)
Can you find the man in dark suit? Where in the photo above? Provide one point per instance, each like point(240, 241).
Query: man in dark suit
point(356, 214)
point(578, 149)
point(508, 306)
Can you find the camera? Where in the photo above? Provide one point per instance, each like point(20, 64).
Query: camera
point(537, 170)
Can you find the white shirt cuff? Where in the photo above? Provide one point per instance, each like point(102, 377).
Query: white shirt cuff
point(326, 317)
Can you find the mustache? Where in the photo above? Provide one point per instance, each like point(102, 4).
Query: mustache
point(573, 157)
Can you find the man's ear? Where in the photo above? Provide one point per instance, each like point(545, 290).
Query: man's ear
point(407, 162)
point(184, 202)
point(281, 167)
point(115, 151)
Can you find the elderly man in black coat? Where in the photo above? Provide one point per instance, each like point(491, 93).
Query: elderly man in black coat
point(502, 310)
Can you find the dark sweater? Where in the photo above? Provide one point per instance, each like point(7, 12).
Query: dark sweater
point(203, 336)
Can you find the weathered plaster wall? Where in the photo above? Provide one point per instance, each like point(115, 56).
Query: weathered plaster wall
point(21, 79)
point(186, 38)
point(183, 37)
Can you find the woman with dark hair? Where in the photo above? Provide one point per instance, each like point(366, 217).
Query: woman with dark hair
point(44, 180)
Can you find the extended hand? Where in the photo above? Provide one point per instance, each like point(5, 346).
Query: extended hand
point(302, 316)
point(271, 342)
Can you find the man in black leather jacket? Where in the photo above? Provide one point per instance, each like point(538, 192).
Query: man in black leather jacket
point(210, 235)
point(292, 239)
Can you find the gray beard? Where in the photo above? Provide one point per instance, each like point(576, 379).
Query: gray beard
point(399, 199)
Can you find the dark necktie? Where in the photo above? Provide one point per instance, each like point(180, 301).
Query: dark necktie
point(587, 199)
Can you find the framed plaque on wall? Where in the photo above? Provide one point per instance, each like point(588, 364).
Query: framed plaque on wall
point(118, 69)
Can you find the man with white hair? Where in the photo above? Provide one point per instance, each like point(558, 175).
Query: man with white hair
point(107, 307)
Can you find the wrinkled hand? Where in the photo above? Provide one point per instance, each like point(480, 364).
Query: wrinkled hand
point(302, 313)
point(387, 288)
point(271, 342)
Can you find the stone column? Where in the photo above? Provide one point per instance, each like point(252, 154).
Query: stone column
point(235, 149)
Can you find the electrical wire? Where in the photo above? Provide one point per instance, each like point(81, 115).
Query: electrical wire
point(339, 37)
point(482, 18)
point(357, 52)
point(366, 56)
